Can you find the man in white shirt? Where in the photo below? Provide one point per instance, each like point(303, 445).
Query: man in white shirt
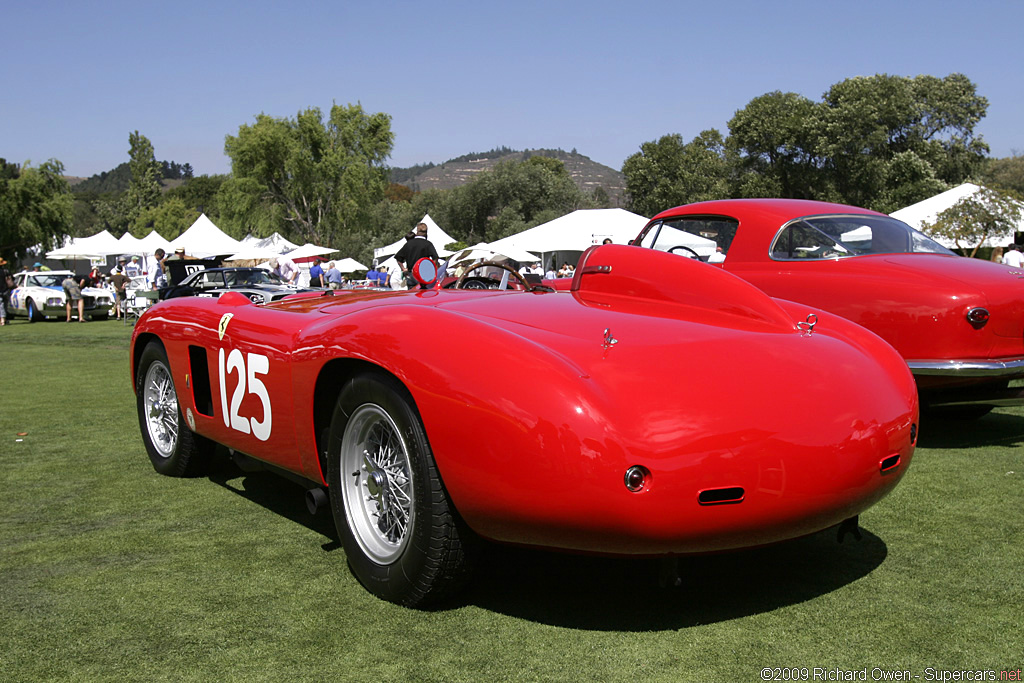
point(286, 269)
point(1013, 257)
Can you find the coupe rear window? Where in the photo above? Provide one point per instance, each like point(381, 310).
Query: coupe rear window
point(832, 237)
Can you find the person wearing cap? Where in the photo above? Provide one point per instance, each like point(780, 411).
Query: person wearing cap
point(413, 250)
point(133, 269)
point(39, 267)
point(119, 266)
point(285, 268)
point(5, 289)
point(120, 282)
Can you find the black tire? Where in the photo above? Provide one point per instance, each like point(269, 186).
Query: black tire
point(404, 541)
point(33, 312)
point(174, 449)
point(99, 316)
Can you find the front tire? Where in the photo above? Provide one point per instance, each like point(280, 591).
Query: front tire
point(402, 536)
point(174, 449)
point(33, 313)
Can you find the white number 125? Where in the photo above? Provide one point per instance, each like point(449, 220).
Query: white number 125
point(258, 365)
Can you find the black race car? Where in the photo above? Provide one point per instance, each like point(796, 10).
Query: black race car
point(260, 285)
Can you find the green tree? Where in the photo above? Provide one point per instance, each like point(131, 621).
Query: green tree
point(170, 218)
point(879, 130)
point(35, 207)
point(668, 172)
point(774, 141)
point(974, 219)
point(322, 178)
point(507, 199)
point(1005, 174)
point(144, 190)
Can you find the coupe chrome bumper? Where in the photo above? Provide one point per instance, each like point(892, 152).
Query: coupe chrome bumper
point(967, 368)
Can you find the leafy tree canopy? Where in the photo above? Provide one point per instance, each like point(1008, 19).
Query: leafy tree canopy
point(35, 207)
point(320, 177)
point(882, 142)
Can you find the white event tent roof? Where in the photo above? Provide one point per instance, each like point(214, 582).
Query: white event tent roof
point(276, 243)
point(205, 239)
point(576, 231)
point(927, 210)
point(435, 235)
point(100, 244)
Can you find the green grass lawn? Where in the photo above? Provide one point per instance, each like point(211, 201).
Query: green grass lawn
point(109, 571)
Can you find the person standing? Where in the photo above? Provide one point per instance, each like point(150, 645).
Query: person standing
point(1013, 257)
point(156, 277)
point(316, 275)
point(73, 297)
point(413, 250)
point(120, 282)
point(334, 278)
point(6, 282)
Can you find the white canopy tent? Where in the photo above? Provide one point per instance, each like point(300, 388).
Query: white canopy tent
point(435, 235)
point(927, 210)
point(274, 242)
point(205, 239)
point(485, 252)
point(153, 241)
point(95, 246)
point(308, 249)
point(576, 231)
point(349, 265)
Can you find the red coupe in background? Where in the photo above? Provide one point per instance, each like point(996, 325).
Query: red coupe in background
point(958, 322)
point(662, 407)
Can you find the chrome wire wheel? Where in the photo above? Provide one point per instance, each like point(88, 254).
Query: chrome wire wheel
point(161, 409)
point(377, 486)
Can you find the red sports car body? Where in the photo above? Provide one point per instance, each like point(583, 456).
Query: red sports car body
point(958, 322)
point(637, 415)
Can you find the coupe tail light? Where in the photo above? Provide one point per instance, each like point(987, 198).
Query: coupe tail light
point(977, 317)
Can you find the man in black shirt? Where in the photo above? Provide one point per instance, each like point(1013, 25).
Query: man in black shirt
point(416, 247)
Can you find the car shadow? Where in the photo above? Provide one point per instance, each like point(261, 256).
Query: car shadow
point(275, 493)
point(606, 594)
point(612, 594)
point(995, 429)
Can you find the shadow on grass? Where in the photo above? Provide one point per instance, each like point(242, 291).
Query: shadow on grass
point(995, 429)
point(612, 594)
point(275, 493)
point(605, 594)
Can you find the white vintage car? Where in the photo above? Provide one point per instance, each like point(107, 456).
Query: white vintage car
point(39, 295)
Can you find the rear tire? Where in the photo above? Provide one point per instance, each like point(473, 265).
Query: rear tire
point(174, 449)
point(402, 536)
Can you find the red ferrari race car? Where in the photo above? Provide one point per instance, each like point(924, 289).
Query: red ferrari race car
point(660, 408)
point(958, 322)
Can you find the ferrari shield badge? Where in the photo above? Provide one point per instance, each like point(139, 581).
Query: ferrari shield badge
point(223, 326)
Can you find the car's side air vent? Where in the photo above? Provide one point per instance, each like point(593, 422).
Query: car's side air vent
point(722, 496)
point(200, 380)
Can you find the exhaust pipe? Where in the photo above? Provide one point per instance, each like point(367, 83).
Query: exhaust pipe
point(315, 499)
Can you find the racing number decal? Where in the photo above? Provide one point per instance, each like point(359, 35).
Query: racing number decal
point(247, 368)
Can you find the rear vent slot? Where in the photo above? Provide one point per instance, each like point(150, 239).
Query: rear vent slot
point(890, 463)
point(732, 494)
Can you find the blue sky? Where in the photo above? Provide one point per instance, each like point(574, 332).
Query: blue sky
point(461, 77)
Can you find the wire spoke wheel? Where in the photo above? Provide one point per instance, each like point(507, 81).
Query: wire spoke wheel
point(378, 491)
point(173, 448)
point(161, 408)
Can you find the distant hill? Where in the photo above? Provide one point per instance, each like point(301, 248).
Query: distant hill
point(587, 174)
point(117, 179)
